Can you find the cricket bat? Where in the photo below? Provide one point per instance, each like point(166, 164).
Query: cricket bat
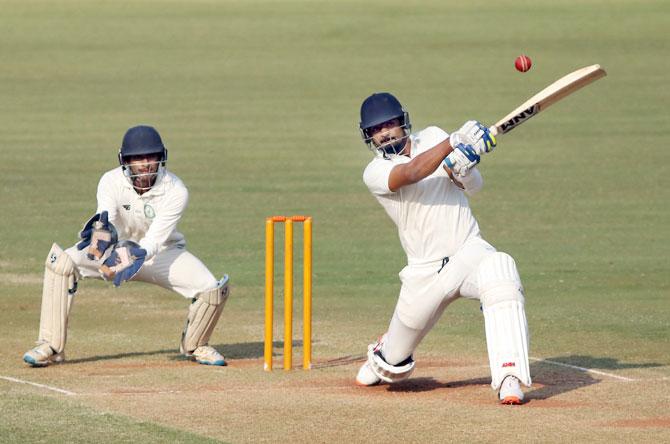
point(548, 96)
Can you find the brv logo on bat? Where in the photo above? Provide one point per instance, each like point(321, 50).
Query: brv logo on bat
point(519, 118)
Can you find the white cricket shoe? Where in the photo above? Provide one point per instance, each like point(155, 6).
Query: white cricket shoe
point(366, 377)
point(510, 391)
point(207, 355)
point(43, 355)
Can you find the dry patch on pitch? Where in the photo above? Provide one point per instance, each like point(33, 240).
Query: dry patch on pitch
point(663, 422)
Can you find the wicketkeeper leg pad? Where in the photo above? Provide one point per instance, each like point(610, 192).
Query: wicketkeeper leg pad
point(501, 295)
point(203, 315)
point(60, 285)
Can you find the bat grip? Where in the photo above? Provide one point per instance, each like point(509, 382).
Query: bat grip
point(494, 131)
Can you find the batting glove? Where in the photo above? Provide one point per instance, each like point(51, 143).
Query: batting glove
point(98, 234)
point(463, 157)
point(125, 261)
point(483, 141)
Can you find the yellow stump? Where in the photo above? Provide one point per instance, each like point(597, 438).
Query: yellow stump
point(269, 290)
point(288, 294)
point(307, 295)
point(288, 290)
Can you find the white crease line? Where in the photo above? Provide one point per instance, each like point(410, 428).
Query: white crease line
point(623, 378)
point(55, 389)
point(245, 389)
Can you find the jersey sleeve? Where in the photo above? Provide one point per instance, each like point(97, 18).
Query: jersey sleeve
point(106, 197)
point(472, 182)
point(165, 221)
point(376, 176)
point(433, 135)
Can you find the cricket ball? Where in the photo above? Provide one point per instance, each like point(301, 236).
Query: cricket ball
point(523, 63)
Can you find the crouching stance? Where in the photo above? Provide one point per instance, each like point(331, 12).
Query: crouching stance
point(133, 236)
point(421, 179)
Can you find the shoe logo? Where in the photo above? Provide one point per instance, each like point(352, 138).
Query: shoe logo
point(126, 207)
point(508, 364)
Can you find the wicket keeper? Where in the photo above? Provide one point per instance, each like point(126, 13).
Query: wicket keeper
point(133, 236)
point(421, 179)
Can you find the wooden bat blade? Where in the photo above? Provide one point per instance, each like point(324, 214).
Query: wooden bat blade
point(548, 96)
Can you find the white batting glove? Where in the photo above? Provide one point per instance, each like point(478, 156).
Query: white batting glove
point(463, 157)
point(483, 141)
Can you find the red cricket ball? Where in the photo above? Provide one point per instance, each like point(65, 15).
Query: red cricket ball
point(523, 63)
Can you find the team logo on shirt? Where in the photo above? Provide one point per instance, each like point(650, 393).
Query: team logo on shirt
point(126, 207)
point(149, 211)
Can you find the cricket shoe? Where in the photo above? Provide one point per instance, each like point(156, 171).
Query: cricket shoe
point(207, 355)
point(510, 391)
point(43, 355)
point(366, 377)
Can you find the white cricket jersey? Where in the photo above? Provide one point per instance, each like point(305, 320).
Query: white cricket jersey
point(433, 215)
point(149, 219)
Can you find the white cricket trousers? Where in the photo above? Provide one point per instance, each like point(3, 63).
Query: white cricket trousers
point(173, 268)
point(426, 293)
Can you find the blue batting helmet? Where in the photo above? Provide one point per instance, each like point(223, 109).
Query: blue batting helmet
point(380, 108)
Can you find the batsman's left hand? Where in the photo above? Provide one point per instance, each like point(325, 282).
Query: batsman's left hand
point(482, 140)
point(124, 262)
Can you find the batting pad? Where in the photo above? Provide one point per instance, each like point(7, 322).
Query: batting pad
point(60, 284)
point(385, 371)
point(203, 314)
point(505, 321)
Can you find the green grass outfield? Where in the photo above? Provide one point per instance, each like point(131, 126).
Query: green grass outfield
point(258, 104)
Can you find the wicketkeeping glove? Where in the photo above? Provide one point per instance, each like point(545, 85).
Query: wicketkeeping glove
point(98, 235)
point(124, 262)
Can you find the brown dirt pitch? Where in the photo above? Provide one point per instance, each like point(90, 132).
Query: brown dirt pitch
point(444, 401)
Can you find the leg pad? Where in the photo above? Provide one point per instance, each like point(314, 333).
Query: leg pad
point(385, 371)
point(203, 314)
point(505, 321)
point(60, 285)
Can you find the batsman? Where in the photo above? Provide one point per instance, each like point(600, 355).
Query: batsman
point(421, 179)
point(133, 236)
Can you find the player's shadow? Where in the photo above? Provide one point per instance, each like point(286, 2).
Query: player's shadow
point(562, 374)
point(551, 376)
point(242, 350)
point(121, 356)
point(252, 350)
point(417, 385)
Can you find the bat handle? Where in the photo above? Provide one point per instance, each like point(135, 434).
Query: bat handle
point(494, 131)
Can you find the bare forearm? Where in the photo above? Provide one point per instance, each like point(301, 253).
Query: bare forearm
point(420, 167)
